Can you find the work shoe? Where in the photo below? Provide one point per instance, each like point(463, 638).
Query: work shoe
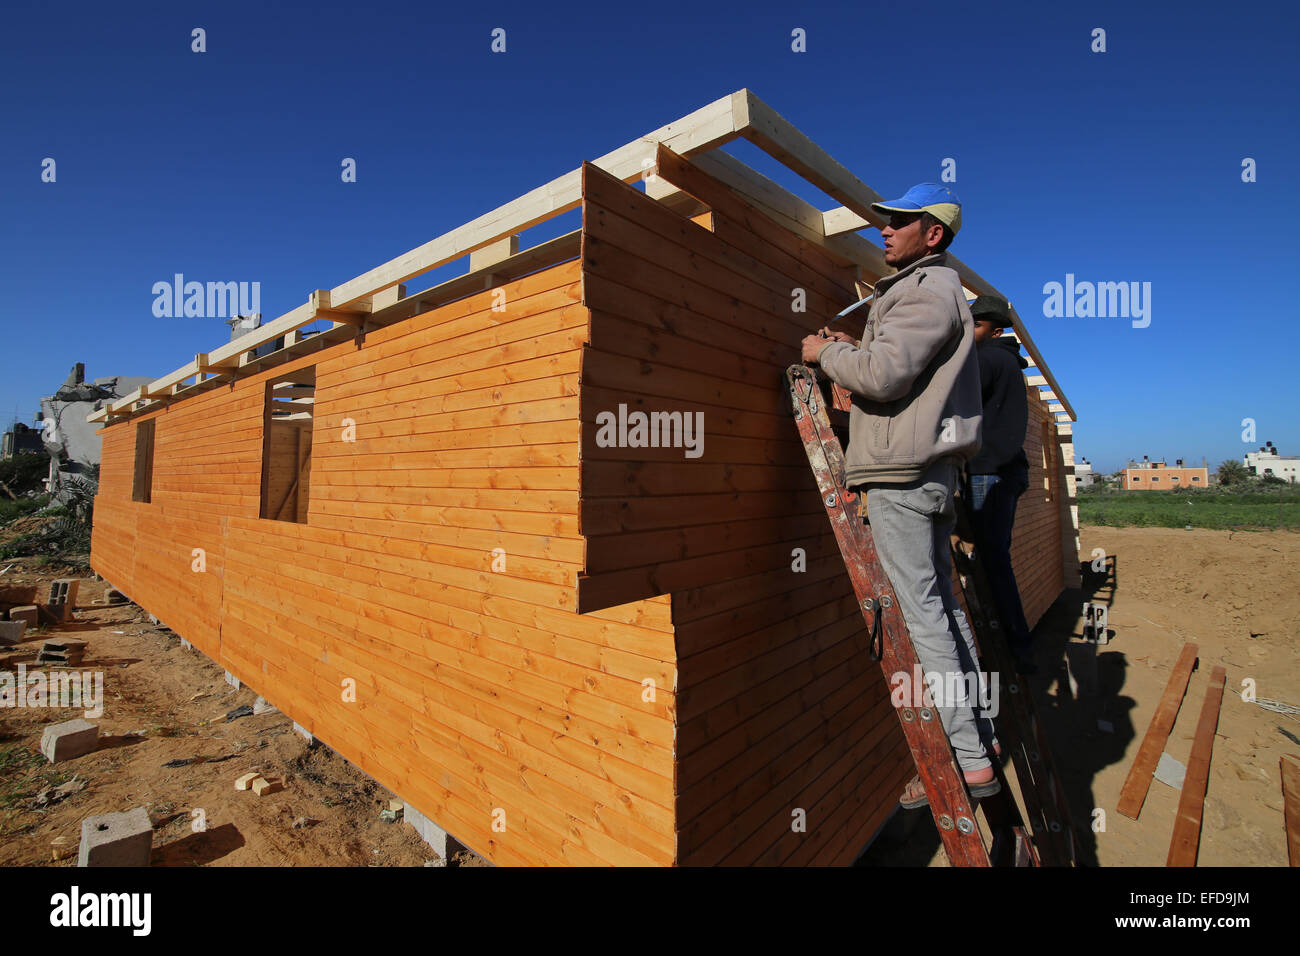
point(914, 796)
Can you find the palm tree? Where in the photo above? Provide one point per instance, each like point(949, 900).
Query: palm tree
point(1232, 472)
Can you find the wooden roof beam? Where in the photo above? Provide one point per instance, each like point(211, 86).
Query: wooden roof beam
point(779, 138)
point(711, 126)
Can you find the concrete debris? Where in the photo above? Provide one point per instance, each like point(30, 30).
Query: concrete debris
point(11, 632)
point(52, 795)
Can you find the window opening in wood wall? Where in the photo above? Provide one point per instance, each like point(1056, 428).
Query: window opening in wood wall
point(286, 445)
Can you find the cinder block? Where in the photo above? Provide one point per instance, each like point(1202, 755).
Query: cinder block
point(442, 842)
point(11, 632)
point(28, 613)
point(116, 839)
point(72, 738)
point(64, 591)
point(232, 680)
point(247, 780)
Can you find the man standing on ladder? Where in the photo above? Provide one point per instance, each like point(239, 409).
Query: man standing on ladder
point(914, 423)
point(999, 474)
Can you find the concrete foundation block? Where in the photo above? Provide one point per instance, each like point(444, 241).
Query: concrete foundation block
point(72, 738)
point(264, 706)
point(114, 596)
point(305, 733)
point(233, 681)
point(28, 613)
point(186, 644)
point(11, 632)
point(116, 839)
point(442, 842)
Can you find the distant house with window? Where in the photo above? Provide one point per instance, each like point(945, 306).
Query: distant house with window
point(1267, 461)
point(1148, 475)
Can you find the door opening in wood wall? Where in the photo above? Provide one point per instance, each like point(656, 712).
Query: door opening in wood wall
point(286, 445)
point(142, 480)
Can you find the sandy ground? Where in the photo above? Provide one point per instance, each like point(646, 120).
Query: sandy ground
point(163, 702)
point(1234, 594)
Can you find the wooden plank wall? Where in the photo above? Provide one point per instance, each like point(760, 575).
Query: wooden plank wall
point(1036, 541)
point(779, 708)
point(521, 727)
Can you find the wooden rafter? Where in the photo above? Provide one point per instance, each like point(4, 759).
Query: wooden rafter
point(353, 304)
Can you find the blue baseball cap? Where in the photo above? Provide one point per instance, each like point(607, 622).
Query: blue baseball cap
point(939, 201)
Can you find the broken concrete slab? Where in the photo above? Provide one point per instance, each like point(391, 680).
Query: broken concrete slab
point(72, 738)
point(116, 839)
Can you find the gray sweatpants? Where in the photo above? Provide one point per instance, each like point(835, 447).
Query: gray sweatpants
point(910, 525)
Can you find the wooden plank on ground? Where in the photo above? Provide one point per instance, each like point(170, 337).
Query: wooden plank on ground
point(1187, 825)
point(1138, 782)
point(1290, 767)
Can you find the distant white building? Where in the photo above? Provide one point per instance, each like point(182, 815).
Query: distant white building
point(1267, 461)
point(1083, 475)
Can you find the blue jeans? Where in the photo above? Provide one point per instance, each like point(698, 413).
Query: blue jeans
point(993, 501)
point(910, 525)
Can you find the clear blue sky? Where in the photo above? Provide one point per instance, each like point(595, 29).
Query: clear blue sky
point(1115, 166)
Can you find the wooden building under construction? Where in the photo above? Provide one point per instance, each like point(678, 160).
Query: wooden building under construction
point(411, 534)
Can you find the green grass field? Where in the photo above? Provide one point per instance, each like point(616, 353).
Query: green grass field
point(1253, 508)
